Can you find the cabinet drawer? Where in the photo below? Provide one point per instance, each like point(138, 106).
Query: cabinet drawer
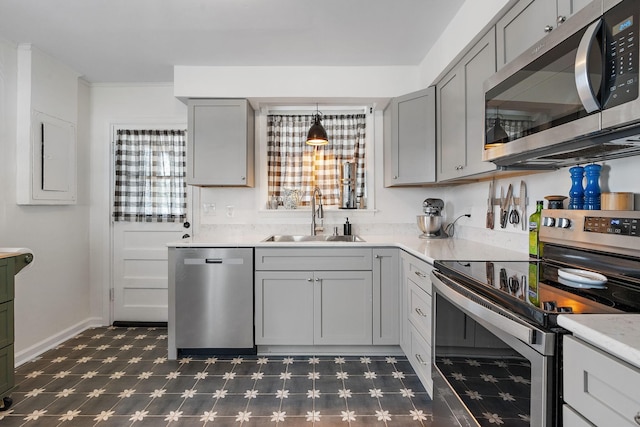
point(420, 310)
point(6, 279)
point(6, 324)
point(599, 386)
point(419, 272)
point(420, 358)
point(314, 259)
point(6, 369)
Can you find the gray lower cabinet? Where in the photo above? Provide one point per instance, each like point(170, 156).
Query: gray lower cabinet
point(599, 389)
point(527, 22)
point(342, 307)
point(284, 307)
point(410, 139)
point(416, 316)
point(460, 112)
point(386, 296)
point(314, 296)
point(220, 142)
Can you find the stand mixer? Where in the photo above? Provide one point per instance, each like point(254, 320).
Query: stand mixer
point(431, 222)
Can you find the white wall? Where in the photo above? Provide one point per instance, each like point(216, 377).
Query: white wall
point(52, 295)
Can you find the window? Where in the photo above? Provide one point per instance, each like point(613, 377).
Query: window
point(294, 165)
point(150, 171)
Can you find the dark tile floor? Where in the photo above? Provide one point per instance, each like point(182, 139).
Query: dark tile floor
point(121, 377)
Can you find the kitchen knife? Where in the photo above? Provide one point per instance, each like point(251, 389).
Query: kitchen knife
point(490, 220)
point(504, 207)
point(523, 205)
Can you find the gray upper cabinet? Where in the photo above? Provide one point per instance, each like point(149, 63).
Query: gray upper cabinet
point(523, 25)
point(409, 154)
point(528, 21)
point(566, 8)
point(460, 113)
point(221, 141)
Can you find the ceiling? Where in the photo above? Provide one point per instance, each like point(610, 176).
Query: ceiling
point(141, 40)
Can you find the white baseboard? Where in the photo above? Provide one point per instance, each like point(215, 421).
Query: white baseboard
point(37, 349)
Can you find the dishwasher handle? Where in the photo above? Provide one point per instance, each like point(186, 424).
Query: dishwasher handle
point(205, 261)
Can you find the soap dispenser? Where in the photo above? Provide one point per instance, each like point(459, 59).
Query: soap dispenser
point(347, 228)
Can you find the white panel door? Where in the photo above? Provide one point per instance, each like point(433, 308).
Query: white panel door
point(140, 271)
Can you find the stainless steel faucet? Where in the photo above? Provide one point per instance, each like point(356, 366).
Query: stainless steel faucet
point(314, 215)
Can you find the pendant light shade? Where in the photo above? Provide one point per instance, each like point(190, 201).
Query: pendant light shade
point(317, 134)
point(496, 135)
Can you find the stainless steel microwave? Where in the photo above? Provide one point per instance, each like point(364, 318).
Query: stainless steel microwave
point(573, 97)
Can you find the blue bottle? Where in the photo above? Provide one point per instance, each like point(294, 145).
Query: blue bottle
point(592, 190)
point(576, 193)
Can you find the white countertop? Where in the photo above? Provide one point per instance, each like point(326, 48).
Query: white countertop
point(616, 334)
point(426, 249)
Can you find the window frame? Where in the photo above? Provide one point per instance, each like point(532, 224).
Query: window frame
point(262, 159)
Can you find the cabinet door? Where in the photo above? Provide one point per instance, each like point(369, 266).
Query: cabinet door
point(284, 307)
point(410, 148)
point(451, 125)
point(220, 148)
point(386, 297)
point(567, 8)
point(343, 307)
point(522, 26)
point(7, 367)
point(479, 64)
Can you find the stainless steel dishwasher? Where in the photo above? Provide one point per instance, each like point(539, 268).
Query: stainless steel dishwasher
point(212, 308)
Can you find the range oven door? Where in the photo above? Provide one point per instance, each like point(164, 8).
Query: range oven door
point(490, 367)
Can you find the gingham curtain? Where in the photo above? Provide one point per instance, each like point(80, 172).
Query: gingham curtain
point(294, 164)
point(150, 176)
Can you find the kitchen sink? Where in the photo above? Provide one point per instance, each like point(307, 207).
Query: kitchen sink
point(287, 238)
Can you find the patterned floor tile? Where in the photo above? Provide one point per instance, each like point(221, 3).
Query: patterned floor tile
point(120, 376)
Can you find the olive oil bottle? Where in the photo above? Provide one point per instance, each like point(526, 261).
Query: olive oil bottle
point(535, 246)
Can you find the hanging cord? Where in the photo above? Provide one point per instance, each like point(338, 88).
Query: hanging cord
point(451, 228)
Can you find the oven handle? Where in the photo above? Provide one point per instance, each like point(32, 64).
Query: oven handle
point(583, 85)
point(504, 322)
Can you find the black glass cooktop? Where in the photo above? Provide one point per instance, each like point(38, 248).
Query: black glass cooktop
point(535, 290)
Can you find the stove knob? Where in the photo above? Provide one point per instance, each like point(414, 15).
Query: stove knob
point(548, 221)
point(563, 223)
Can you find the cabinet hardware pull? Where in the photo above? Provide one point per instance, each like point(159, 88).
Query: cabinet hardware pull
point(309, 279)
point(420, 274)
point(422, 362)
point(243, 178)
point(561, 19)
point(548, 28)
point(378, 257)
point(395, 177)
point(317, 279)
point(637, 418)
point(420, 312)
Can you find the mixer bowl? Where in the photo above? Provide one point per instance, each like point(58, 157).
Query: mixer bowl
point(429, 224)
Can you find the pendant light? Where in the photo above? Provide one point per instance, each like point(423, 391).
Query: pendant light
point(496, 135)
point(317, 135)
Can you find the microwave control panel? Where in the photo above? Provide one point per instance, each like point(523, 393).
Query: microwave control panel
point(621, 47)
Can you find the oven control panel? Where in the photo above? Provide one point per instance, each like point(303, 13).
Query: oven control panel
point(612, 225)
point(609, 231)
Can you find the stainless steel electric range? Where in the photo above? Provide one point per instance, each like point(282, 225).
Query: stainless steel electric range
point(497, 346)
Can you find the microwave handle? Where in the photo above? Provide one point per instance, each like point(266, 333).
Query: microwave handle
point(585, 91)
